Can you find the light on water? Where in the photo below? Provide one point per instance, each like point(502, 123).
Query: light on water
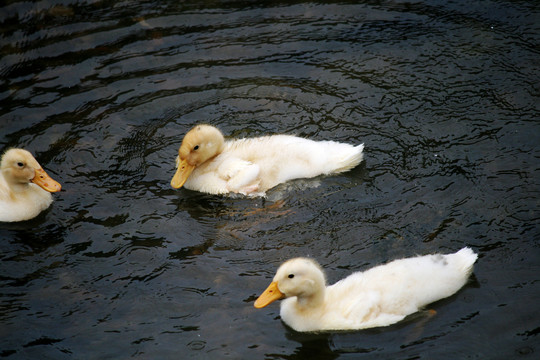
point(444, 96)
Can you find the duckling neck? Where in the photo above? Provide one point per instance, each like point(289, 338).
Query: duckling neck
point(311, 301)
point(15, 186)
point(220, 148)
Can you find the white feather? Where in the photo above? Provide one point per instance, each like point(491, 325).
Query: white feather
point(379, 296)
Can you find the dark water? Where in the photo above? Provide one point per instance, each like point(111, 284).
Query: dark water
point(445, 96)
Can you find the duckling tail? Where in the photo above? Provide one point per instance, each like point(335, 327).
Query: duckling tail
point(464, 259)
point(350, 159)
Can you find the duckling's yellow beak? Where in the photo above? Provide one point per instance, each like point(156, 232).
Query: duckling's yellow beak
point(182, 173)
point(269, 295)
point(44, 181)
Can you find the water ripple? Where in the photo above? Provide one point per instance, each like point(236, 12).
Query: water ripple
point(444, 96)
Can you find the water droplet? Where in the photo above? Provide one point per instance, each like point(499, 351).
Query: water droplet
point(197, 345)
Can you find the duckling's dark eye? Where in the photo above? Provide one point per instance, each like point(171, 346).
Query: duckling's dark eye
point(196, 147)
point(20, 164)
point(291, 276)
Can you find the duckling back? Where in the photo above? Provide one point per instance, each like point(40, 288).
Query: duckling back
point(426, 279)
point(294, 158)
point(392, 291)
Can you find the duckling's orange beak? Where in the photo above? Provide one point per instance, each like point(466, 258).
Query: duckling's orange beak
point(44, 181)
point(182, 173)
point(269, 295)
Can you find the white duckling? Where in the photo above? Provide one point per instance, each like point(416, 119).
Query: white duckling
point(379, 296)
point(208, 163)
point(24, 186)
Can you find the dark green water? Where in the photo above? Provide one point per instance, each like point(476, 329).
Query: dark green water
point(445, 96)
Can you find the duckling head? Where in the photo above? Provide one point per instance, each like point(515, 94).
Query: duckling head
point(200, 144)
point(300, 277)
point(19, 167)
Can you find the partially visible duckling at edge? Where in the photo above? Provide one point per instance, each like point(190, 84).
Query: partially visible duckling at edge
point(380, 296)
point(208, 163)
point(25, 188)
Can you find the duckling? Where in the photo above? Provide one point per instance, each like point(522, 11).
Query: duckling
point(207, 163)
point(380, 296)
point(25, 188)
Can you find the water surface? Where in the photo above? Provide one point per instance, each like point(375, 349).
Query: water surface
point(445, 96)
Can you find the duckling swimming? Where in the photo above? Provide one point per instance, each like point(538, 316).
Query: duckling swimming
point(208, 163)
point(25, 188)
point(380, 296)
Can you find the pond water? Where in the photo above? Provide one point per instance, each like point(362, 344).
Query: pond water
point(444, 95)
